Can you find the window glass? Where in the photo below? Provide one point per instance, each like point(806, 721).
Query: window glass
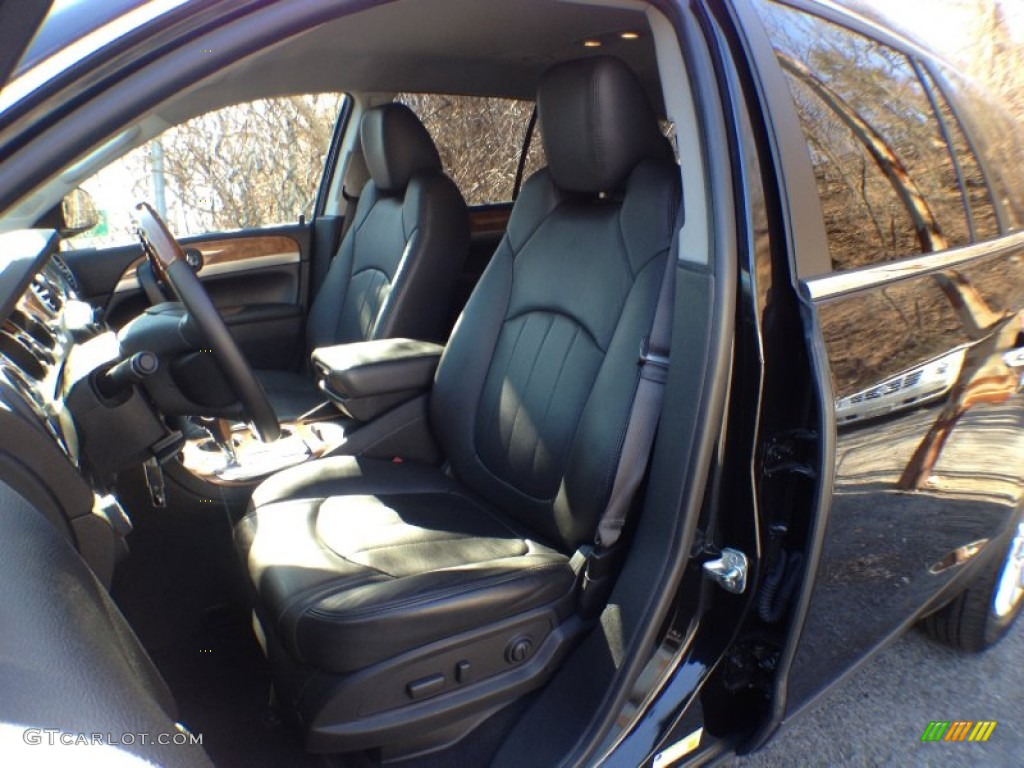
point(885, 175)
point(982, 213)
point(998, 140)
point(244, 166)
point(480, 140)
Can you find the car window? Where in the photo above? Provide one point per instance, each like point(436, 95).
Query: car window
point(240, 167)
point(885, 174)
point(480, 140)
point(981, 211)
point(999, 142)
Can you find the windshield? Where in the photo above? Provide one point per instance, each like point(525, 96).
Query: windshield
point(68, 21)
point(72, 31)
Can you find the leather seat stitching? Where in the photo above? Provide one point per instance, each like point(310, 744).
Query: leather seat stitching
point(526, 390)
point(551, 394)
point(363, 613)
point(560, 313)
point(493, 415)
point(423, 543)
point(516, 250)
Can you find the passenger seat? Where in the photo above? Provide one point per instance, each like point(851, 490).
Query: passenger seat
point(395, 272)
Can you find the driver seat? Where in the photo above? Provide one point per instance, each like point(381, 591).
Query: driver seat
point(394, 274)
point(399, 601)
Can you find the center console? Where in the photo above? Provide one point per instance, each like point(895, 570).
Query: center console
point(376, 404)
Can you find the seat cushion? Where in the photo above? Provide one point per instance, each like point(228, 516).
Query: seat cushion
point(357, 560)
point(291, 394)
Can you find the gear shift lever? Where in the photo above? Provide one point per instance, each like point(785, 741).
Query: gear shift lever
point(220, 431)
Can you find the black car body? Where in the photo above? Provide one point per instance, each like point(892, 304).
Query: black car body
point(839, 456)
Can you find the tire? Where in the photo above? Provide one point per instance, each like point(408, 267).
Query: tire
point(981, 615)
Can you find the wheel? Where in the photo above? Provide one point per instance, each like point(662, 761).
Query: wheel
point(982, 614)
point(170, 265)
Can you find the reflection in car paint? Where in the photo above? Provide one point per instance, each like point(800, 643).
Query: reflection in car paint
point(916, 387)
point(958, 556)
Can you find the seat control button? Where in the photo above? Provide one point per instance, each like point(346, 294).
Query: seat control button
point(518, 649)
point(462, 671)
point(425, 686)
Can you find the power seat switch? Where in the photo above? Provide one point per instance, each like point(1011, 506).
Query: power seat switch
point(425, 686)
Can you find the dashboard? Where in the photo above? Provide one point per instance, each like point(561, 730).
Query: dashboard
point(50, 345)
point(42, 318)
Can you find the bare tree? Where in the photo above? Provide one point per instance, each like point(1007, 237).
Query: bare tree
point(248, 165)
point(479, 140)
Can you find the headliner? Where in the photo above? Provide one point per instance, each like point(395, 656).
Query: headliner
point(445, 46)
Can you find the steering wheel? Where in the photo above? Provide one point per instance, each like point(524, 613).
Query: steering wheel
point(169, 264)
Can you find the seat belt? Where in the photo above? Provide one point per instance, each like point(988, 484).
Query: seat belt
point(356, 176)
point(646, 410)
point(595, 565)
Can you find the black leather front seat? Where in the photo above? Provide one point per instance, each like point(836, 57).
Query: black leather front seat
point(397, 598)
point(395, 272)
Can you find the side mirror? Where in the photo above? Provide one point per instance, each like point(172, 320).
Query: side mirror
point(77, 213)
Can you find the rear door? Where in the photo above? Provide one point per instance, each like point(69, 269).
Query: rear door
point(911, 265)
point(238, 186)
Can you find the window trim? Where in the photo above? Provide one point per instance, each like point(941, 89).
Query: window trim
point(836, 284)
point(934, 70)
point(330, 167)
point(933, 93)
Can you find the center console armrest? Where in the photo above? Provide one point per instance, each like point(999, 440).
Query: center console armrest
point(367, 378)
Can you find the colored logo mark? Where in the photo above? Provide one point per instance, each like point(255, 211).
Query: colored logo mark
point(958, 730)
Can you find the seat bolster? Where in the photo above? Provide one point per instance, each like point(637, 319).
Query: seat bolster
point(435, 221)
point(349, 475)
point(285, 561)
point(356, 626)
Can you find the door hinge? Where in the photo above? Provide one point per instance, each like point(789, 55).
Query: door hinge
point(789, 452)
point(729, 571)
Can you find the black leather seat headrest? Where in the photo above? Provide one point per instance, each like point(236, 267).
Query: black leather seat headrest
point(396, 147)
point(597, 124)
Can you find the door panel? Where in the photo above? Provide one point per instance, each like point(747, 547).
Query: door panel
point(257, 281)
point(929, 451)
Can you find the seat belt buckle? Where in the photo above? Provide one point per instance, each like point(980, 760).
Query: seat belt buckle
point(596, 577)
point(653, 365)
point(600, 564)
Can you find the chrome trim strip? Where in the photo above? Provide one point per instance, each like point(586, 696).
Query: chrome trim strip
point(840, 283)
point(225, 268)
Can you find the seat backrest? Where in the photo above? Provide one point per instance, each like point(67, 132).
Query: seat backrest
point(395, 272)
point(533, 393)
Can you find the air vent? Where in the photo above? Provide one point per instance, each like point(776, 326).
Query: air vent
point(15, 347)
point(29, 325)
point(62, 267)
point(47, 293)
point(21, 383)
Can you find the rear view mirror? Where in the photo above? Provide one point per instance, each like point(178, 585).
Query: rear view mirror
point(78, 213)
